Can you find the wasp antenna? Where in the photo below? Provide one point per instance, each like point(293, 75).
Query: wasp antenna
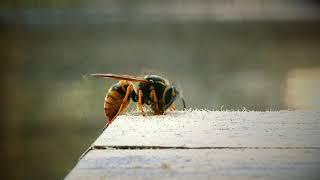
point(183, 103)
point(180, 94)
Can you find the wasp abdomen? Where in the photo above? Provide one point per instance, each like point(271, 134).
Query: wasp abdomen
point(114, 98)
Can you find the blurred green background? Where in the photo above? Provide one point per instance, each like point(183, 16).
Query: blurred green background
point(234, 55)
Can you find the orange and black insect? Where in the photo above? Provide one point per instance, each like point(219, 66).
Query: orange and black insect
point(152, 90)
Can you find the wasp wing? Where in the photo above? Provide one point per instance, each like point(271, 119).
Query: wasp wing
point(119, 77)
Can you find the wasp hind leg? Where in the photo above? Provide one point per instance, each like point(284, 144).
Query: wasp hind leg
point(123, 106)
point(155, 101)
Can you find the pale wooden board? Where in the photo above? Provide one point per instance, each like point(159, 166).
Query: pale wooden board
point(202, 164)
point(215, 129)
point(223, 145)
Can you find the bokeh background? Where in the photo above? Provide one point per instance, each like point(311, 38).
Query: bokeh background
point(229, 55)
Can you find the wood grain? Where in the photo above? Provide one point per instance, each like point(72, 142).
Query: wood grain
point(206, 145)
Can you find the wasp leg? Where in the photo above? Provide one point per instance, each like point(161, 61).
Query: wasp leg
point(140, 103)
point(173, 107)
point(155, 101)
point(124, 105)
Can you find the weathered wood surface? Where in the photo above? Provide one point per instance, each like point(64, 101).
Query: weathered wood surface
point(206, 144)
point(216, 129)
point(203, 164)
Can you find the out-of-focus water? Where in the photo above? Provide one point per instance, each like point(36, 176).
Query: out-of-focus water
point(53, 113)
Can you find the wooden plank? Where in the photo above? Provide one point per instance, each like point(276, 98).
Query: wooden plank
point(215, 129)
point(199, 163)
point(206, 144)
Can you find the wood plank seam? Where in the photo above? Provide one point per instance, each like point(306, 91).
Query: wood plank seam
point(95, 147)
point(208, 147)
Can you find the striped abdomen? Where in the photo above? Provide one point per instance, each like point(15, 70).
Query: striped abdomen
point(114, 98)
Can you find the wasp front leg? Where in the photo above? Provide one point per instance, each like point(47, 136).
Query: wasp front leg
point(172, 107)
point(154, 99)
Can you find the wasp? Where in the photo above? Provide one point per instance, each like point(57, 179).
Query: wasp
point(152, 90)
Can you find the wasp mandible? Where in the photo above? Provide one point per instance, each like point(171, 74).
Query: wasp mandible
point(152, 90)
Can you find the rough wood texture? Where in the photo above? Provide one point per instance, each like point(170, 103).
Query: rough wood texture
point(203, 164)
point(216, 129)
point(206, 144)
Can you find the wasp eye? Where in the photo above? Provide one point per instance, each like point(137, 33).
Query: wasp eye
point(170, 96)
